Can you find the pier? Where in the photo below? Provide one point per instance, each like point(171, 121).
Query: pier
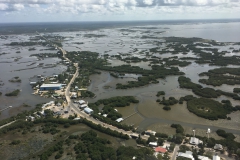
point(5, 108)
point(129, 116)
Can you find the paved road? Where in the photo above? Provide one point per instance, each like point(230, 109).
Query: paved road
point(175, 151)
point(80, 113)
point(6, 124)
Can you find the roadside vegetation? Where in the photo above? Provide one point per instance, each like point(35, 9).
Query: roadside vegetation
point(109, 110)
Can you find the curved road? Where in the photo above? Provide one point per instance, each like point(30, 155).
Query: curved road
point(75, 108)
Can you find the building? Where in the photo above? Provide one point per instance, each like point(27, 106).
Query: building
point(160, 149)
point(203, 158)
point(188, 155)
point(119, 120)
point(150, 132)
point(81, 102)
point(83, 106)
point(195, 141)
point(33, 83)
point(216, 157)
point(218, 147)
point(153, 144)
point(88, 110)
point(47, 87)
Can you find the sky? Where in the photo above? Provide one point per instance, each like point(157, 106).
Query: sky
point(116, 10)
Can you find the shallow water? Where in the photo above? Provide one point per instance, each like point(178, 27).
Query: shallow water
point(121, 42)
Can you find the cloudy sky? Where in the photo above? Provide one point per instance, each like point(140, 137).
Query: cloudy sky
point(115, 10)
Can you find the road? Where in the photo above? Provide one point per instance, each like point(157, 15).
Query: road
point(175, 151)
point(82, 114)
point(6, 124)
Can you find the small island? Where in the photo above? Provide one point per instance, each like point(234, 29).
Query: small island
point(13, 93)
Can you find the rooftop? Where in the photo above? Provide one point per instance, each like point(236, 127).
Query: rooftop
point(119, 120)
point(195, 141)
point(51, 85)
point(186, 155)
point(160, 149)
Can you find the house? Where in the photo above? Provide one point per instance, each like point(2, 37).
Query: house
point(81, 102)
point(150, 132)
point(47, 87)
point(160, 149)
point(195, 141)
point(83, 106)
point(218, 147)
point(216, 157)
point(187, 154)
point(88, 110)
point(203, 158)
point(32, 83)
point(153, 144)
point(119, 120)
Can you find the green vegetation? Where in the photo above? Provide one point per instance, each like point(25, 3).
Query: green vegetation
point(169, 102)
point(105, 130)
point(161, 135)
point(186, 98)
point(13, 93)
point(160, 93)
point(108, 108)
point(15, 142)
point(85, 94)
point(177, 62)
point(94, 35)
point(228, 136)
point(89, 62)
point(15, 79)
point(44, 55)
point(204, 92)
point(179, 128)
point(236, 90)
point(221, 76)
point(30, 43)
point(208, 108)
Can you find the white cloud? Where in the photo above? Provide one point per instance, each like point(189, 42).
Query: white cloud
point(111, 8)
point(3, 6)
point(18, 7)
point(148, 2)
point(34, 5)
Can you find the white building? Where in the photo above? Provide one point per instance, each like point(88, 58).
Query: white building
point(153, 144)
point(218, 147)
point(88, 110)
point(195, 141)
point(203, 158)
point(188, 154)
point(150, 132)
point(119, 120)
point(216, 157)
point(81, 102)
point(83, 106)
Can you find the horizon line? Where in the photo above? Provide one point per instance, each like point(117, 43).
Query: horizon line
point(121, 20)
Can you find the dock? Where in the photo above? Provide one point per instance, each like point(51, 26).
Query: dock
point(5, 108)
point(129, 116)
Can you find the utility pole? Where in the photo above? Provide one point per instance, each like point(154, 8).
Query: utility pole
point(193, 133)
point(208, 131)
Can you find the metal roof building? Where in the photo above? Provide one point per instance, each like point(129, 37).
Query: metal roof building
point(47, 87)
point(119, 120)
point(88, 110)
point(195, 141)
point(83, 106)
